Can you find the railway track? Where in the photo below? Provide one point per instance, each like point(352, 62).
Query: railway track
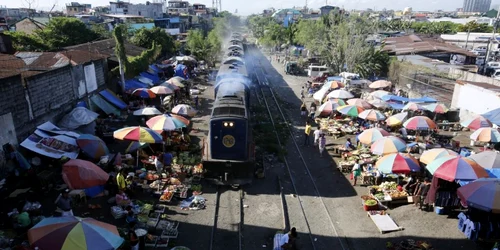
point(279, 121)
point(228, 220)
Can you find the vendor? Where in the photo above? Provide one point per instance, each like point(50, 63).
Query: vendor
point(64, 203)
point(159, 163)
point(23, 220)
point(122, 199)
point(120, 179)
point(287, 241)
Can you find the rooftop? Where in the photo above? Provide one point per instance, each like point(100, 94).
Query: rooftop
point(107, 47)
point(412, 44)
point(483, 85)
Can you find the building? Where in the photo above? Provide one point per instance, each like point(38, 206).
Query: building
point(200, 9)
point(477, 5)
point(75, 8)
point(470, 107)
point(325, 10)
point(30, 25)
point(148, 10)
point(4, 26)
point(472, 40)
point(178, 7)
point(287, 16)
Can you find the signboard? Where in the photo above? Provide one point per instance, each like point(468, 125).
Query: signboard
point(456, 59)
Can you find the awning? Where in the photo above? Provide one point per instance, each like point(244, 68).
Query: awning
point(82, 104)
point(153, 78)
point(424, 99)
point(397, 106)
point(104, 105)
point(133, 84)
point(395, 98)
point(113, 99)
point(155, 68)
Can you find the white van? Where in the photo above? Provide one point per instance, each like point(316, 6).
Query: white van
point(315, 71)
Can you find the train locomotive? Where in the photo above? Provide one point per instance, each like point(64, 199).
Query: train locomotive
point(228, 150)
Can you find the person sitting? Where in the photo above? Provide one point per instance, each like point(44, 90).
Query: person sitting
point(122, 199)
point(23, 220)
point(130, 215)
point(63, 203)
point(288, 240)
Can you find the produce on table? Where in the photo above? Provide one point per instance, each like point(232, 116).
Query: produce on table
point(196, 188)
point(366, 197)
point(167, 196)
point(371, 203)
point(380, 196)
point(389, 185)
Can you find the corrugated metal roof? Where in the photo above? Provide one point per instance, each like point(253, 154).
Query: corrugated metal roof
point(28, 57)
point(414, 44)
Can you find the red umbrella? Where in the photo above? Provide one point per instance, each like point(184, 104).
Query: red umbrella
point(80, 174)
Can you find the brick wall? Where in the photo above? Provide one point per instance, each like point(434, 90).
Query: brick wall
point(14, 101)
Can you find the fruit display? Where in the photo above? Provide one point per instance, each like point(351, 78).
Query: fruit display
point(366, 197)
point(175, 181)
point(380, 196)
point(389, 185)
point(166, 196)
point(395, 194)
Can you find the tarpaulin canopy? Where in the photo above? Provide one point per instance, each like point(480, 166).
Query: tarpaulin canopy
point(113, 98)
point(104, 105)
point(80, 174)
point(397, 106)
point(155, 68)
point(493, 116)
point(424, 99)
point(82, 104)
point(51, 146)
point(132, 84)
point(180, 70)
point(153, 77)
point(79, 116)
point(395, 98)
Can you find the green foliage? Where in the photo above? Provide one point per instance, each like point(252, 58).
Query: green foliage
point(146, 37)
point(274, 35)
point(473, 26)
point(65, 31)
point(197, 44)
point(25, 42)
point(100, 30)
point(431, 28)
point(258, 24)
point(133, 65)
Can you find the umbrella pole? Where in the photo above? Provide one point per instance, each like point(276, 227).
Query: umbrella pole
point(137, 160)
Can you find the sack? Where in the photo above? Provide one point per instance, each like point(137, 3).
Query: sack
point(352, 176)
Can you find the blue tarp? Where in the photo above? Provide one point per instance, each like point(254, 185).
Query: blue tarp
point(334, 78)
point(175, 20)
point(113, 99)
point(424, 99)
point(153, 78)
point(179, 71)
point(155, 68)
point(104, 105)
point(397, 106)
point(134, 84)
point(82, 104)
point(395, 98)
point(94, 191)
point(493, 116)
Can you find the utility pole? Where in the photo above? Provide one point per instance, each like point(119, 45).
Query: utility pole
point(493, 38)
point(467, 40)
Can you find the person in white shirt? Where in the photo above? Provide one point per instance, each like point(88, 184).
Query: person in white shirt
point(287, 240)
point(317, 134)
point(159, 163)
point(403, 132)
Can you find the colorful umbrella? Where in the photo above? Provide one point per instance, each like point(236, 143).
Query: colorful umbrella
point(185, 110)
point(486, 135)
point(335, 84)
point(378, 103)
point(92, 146)
point(483, 194)
point(413, 106)
point(489, 160)
point(420, 123)
point(81, 174)
point(144, 93)
point(134, 146)
point(360, 103)
point(437, 108)
point(477, 123)
point(452, 168)
point(388, 145)
point(147, 111)
point(396, 119)
point(369, 136)
point(350, 110)
point(372, 115)
point(162, 90)
point(177, 81)
point(430, 155)
point(397, 163)
point(140, 134)
point(74, 233)
point(170, 86)
point(340, 94)
point(378, 94)
point(328, 107)
point(379, 84)
point(167, 122)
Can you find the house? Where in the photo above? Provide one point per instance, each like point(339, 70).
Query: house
point(148, 10)
point(469, 107)
point(3, 25)
point(428, 47)
point(200, 9)
point(287, 16)
point(75, 8)
point(177, 7)
point(29, 25)
point(327, 9)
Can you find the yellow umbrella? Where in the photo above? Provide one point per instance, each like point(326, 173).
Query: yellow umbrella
point(432, 154)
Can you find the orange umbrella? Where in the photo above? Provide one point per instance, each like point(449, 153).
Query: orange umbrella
point(360, 103)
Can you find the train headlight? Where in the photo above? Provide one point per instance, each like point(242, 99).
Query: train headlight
point(231, 124)
point(225, 124)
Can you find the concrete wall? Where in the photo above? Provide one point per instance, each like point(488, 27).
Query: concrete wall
point(13, 101)
point(149, 11)
point(471, 77)
point(467, 100)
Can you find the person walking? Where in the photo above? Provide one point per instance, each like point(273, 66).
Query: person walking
point(196, 102)
point(287, 241)
point(356, 172)
point(302, 90)
point(322, 144)
point(312, 111)
point(317, 133)
point(303, 109)
point(307, 132)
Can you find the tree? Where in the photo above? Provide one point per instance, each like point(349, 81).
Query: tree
point(65, 31)
point(26, 42)
point(146, 37)
point(197, 45)
point(473, 26)
point(274, 35)
point(100, 30)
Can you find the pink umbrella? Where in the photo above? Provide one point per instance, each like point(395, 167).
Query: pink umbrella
point(360, 103)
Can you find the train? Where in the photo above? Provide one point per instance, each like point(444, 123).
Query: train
point(228, 150)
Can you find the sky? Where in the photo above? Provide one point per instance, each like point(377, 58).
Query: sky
point(246, 7)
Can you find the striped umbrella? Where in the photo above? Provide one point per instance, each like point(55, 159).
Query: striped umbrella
point(340, 94)
point(378, 94)
point(489, 160)
point(430, 155)
point(486, 135)
point(477, 123)
point(162, 90)
point(350, 110)
point(483, 194)
point(397, 163)
point(74, 233)
point(420, 123)
point(437, 108)
point(147, 111)
point(92, 146)
point(335, 84)
point(177, 81)
point(388, 145)
point(360, 103)
point(134, 146)
point(372, 115)
point(167, 122)
point(144, 93)
point(413, 106)
point(369, 136)
point(379, 84)
point(452, 168)
point(328, 107)
point(140, 134)
point(396, 119)
point(184, 110)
